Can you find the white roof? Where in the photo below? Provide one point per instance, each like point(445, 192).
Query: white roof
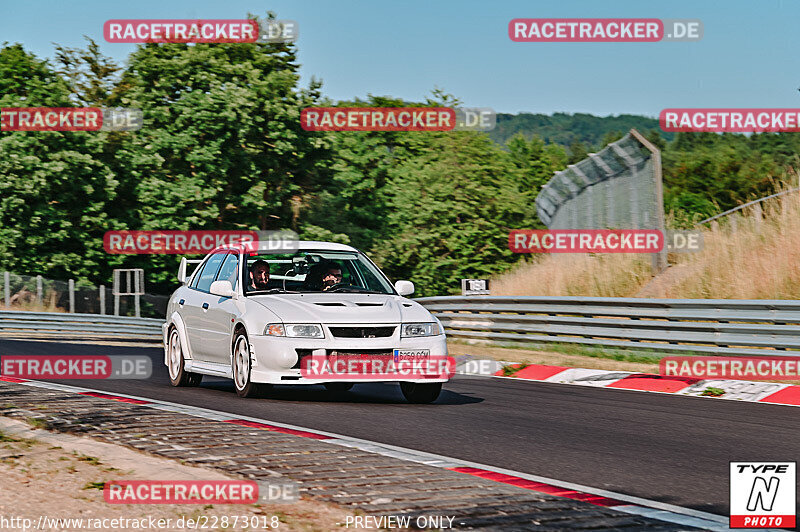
point(327, 246)
point(288, 247)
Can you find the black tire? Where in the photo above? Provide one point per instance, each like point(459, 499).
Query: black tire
point(178, 376)
point(421, 392)
point(240, 366)
point(338, 386)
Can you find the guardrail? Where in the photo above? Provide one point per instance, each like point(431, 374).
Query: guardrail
point(708, 326)
point(58, 324)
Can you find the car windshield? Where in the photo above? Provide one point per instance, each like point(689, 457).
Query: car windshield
point(313, 271)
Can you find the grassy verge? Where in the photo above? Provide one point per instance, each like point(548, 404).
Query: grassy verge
point(562, 355)
point(645, 356)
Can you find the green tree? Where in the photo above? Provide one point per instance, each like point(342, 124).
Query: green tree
point(536, 160)
point(450, 211)
point(354, 202)
point(54, 186)
point(221, 146)
point(611, 136)
point(92, 77)
point(578, 151)
point(564, 128)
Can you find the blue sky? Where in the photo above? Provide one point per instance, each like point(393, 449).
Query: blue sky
point(748, 57)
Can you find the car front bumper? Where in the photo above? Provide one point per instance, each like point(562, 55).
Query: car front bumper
point(273, 357)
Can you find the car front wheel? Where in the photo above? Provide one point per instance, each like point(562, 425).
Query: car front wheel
point(421, 392)
point(178, 376)
point(241, 369)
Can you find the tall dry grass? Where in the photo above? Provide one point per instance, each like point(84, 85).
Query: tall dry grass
point(609, 275)
point(754, 254)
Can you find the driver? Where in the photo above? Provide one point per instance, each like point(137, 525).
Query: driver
point(331, 277)
point(259, 275)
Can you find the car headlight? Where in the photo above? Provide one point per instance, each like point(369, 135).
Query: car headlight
point(410, 330)
point(300, 330)
point(275, 329)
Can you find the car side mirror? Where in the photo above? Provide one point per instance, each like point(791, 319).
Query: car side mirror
point(222, 289)
point(404, 288)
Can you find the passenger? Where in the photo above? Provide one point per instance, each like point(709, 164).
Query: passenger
point(259, 275)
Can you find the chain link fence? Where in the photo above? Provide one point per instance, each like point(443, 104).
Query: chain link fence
point(36, 293)
point(616, 188)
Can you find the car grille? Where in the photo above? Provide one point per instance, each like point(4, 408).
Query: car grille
point(362, 332)
point(360, 352)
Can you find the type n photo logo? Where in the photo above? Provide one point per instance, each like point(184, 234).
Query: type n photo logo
point(763, 494)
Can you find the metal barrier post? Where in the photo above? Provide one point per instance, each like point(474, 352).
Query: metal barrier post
point(116, 293)
point(39, 289)
point(136, 295)
point(659, 260)
point(71, 285)
point(103, 299)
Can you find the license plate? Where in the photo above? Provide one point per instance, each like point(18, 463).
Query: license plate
point(411, 354)
point(353, 354)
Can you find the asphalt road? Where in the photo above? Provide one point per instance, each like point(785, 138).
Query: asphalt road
point(659, 447)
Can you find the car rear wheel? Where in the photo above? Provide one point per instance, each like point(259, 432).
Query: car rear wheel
point(178, 376)
point(338, 386)
point(421, 392)
point(241, 369)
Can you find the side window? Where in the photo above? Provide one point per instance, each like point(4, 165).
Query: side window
point(197, 275)
point(228, 272)
point(209, 272)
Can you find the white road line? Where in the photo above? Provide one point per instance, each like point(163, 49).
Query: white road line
point(639, 506)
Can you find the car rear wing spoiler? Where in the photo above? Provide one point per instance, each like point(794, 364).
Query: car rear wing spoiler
point(182, 268)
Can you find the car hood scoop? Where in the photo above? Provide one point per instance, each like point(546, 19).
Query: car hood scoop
point(349, 304)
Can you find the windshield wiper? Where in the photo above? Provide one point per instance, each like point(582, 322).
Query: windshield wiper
point(356, 289)
point(271, 291)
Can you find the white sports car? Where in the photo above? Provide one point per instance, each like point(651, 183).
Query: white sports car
point(322, 314)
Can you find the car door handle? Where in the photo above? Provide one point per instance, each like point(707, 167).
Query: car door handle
point(205, 306)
